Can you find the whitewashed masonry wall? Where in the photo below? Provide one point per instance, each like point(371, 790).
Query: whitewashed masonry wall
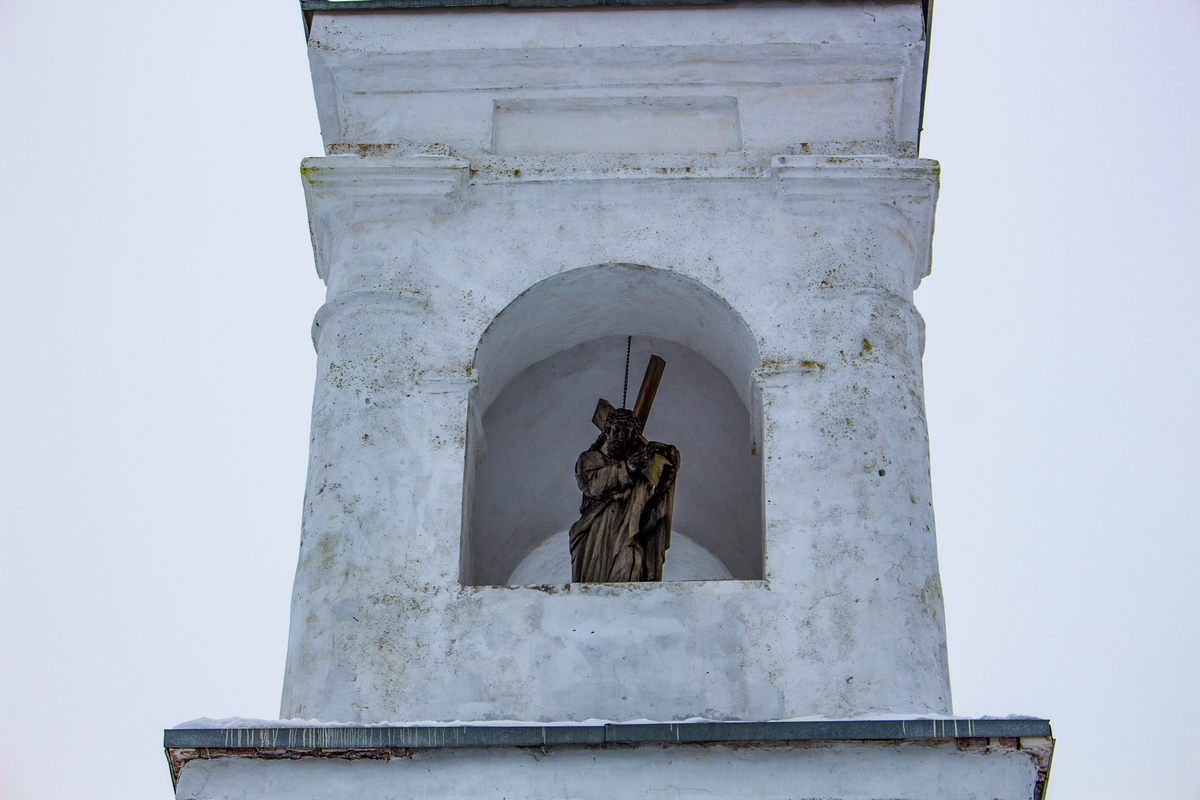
point(738, 180)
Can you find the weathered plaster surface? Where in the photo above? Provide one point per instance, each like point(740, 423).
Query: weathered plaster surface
point(846, 771)
point(792, 276)
point(849, 619)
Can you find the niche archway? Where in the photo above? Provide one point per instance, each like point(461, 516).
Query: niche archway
point(542, 364)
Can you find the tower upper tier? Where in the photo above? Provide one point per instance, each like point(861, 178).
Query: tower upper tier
point(754, 78)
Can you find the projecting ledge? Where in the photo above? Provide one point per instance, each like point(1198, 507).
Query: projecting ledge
point(367, 737)
point(1004, 758)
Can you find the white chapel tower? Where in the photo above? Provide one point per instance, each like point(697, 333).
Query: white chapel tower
point(515, 199)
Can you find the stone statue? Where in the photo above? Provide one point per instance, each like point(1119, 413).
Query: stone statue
point(628, 487)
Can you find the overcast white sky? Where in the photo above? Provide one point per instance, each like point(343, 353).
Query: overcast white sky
point(158, 288)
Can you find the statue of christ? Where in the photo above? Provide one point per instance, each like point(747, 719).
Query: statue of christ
point(628, 487)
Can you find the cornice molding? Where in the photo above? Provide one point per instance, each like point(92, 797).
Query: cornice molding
point(386, 180)
point(379, 300)
point(904, 189)
point(386, 187)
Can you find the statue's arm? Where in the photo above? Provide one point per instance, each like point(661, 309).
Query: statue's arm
point(597, 476)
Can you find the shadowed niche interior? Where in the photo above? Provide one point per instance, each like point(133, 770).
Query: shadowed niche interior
point(543, 364)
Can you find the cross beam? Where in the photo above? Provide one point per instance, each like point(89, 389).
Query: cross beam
point(645, 398)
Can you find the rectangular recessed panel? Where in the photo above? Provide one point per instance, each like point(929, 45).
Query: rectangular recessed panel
point(616, 125)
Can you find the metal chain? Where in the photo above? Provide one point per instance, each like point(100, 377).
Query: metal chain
point(625, 391)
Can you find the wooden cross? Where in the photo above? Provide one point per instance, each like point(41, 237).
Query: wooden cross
point(645, 398)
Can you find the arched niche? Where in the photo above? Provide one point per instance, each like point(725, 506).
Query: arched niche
point(542, 364)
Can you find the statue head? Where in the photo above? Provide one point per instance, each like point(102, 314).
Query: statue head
point(621, 430)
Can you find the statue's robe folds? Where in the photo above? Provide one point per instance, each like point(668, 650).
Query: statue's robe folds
point(625, 525)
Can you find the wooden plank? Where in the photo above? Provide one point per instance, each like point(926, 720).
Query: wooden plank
point(603, 409)
point(645, 398)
